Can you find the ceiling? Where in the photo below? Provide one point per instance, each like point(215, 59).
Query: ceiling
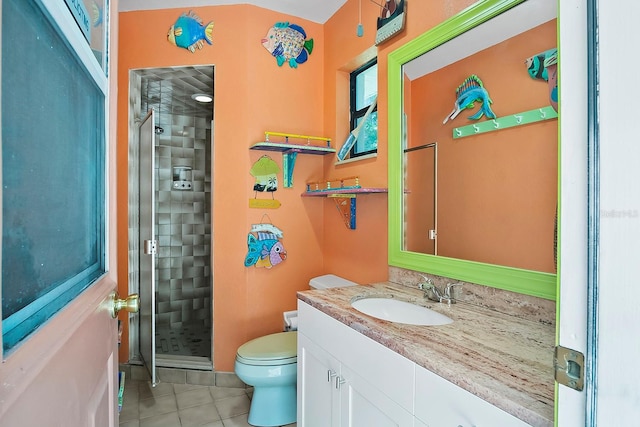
point(168, 90)
point(313, 10)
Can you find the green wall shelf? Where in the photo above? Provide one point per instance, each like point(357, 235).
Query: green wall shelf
point(506, 122)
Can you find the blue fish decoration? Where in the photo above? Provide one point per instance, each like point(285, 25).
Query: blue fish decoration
point(544, 66)
point(537, 64)
point(189, 33)
point(287, 42)
point(264, 251)
point(470, 91)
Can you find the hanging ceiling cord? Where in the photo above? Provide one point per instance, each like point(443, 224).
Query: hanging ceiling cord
point(360, 29)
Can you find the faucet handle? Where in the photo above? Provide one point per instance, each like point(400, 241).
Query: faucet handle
point(431, 291)
point(427, 284)
point(448, 290)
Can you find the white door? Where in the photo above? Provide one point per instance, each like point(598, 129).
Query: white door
point(573, 219)
point(147, 245)
point(66, 374)
point(616, 341)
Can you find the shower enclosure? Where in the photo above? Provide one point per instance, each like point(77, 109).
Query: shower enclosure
point(170, 195)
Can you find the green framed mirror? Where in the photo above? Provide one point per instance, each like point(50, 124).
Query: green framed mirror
point(484, 209)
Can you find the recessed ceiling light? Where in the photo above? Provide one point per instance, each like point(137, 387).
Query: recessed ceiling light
point(201, 97)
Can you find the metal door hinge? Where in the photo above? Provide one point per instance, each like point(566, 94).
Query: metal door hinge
point(569, 367)
point(150, 247)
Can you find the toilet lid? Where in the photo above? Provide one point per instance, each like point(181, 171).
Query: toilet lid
point(280, 349)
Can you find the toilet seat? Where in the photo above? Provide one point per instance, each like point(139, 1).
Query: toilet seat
point(274, 349)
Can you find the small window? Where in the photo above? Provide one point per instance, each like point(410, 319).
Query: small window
point(364, 92)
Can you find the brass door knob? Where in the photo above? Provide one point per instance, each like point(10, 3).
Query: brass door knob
point(131, 304)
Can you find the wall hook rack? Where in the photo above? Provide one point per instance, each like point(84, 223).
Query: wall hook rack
point(518, 119)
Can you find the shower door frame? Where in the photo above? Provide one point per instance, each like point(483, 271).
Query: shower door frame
point(134, 243)
point(147, 253)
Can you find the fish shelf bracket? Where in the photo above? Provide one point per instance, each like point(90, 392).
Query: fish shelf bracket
point(346, 205)
point(290, 151)
point(513, 120)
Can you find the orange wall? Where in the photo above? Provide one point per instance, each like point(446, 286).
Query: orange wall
point(253, 95)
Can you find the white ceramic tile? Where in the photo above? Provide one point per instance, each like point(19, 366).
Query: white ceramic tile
point(195, 397)
point(198, 415)
point(224, 392)
point(129, 412)
point(147, 391)
point(165, 420)
point(240, 421)
point(157, 406)
point(233, 406)
point(181, 388)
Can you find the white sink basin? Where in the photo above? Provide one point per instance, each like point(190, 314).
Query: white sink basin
point(398, 311)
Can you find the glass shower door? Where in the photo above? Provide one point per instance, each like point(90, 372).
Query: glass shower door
point(148, 245)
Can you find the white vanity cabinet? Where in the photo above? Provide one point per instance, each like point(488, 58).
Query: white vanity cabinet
point(318, 371)
point(442, 403)
point(344, 381)
point(348, 379)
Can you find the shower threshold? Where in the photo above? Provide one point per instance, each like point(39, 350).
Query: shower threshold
point(184, 362)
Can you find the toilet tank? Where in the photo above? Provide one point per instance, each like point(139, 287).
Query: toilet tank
point(330, 281)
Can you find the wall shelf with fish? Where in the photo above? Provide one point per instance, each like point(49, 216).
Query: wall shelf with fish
point(344, 195)
point(290, 150)
point(500, 123)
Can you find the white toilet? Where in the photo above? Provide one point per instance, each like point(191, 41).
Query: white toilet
point(270, 364)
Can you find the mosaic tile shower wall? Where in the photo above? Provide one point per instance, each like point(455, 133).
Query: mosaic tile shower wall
point(183, 223)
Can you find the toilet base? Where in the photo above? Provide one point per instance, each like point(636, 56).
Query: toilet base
point(273, 406)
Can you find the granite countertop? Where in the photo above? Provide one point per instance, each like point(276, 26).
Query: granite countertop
point(503, 359)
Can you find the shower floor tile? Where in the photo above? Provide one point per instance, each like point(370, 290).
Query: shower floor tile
point(190, 340)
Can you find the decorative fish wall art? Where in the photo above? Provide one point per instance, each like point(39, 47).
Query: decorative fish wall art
point(470, 91)
point(288, 43)
point(543, 66)
point(188, 32)
point(264, 246)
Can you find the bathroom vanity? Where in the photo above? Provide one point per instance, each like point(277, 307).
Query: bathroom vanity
point(484, 369)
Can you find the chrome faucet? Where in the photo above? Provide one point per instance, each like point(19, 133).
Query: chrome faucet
point(433, 293)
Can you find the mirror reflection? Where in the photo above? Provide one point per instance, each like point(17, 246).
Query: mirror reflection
point(480, 143)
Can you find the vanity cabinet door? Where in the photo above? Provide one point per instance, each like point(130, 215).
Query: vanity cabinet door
point(318, 397)
point(363, 405)
point(439, 402)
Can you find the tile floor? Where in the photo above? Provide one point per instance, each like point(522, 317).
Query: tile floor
point(184, 405)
